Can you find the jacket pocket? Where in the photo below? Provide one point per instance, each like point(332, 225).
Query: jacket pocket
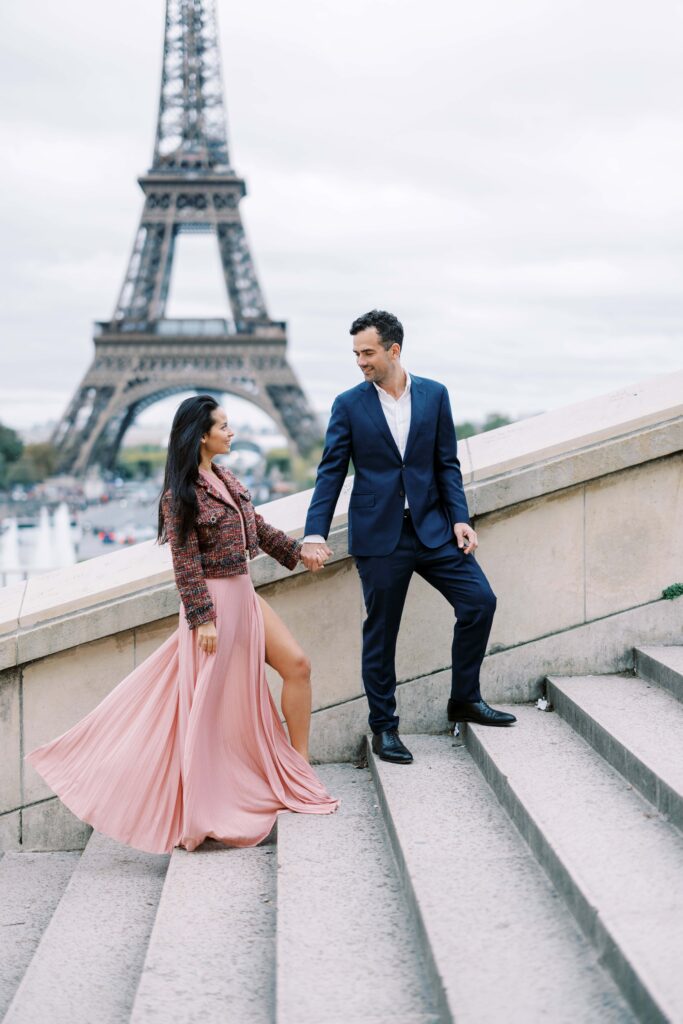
point(213, 515)
point(361, 501)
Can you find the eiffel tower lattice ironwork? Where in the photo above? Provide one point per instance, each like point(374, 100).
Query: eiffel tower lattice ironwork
point(141, 356)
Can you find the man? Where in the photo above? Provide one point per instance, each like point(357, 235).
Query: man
point(407, 513)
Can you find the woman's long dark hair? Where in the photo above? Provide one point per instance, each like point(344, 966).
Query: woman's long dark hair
point(193, 419)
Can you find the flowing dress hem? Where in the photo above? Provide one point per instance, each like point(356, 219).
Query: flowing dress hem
point(144, 847)
point(180, 842)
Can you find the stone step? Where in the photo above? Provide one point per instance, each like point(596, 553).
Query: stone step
point(212, 948)
point(616, 860)
point(634, 724)
point(347, 952)
point(502, 943)
point(31, 885)
point(88, 961)
point(663, 665)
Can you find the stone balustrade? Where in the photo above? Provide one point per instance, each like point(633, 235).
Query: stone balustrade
point(579, 513)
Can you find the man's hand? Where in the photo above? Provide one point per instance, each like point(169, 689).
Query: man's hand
point(207, 637)
point(466, 538)
point(314, 555)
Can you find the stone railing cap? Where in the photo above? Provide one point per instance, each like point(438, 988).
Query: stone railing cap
point(526, 443)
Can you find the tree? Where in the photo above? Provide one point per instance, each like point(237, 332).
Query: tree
point(35, 464)
point(466, 429)
point(492, 421)
point(11, 447)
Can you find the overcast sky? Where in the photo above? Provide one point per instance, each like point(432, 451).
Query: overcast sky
point(505, 177)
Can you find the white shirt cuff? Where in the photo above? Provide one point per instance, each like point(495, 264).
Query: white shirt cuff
point(313, 538)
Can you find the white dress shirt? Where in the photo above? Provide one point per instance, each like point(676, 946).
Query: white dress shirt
point(397, 414)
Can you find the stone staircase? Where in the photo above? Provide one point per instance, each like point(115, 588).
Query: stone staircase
point(525, 874)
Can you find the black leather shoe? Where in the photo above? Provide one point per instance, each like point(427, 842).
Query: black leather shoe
point(477, 711)
point(388, 747)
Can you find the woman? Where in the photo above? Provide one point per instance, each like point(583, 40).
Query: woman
point(190, 745)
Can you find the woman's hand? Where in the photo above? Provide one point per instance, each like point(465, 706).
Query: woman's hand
point(207, 637)
point(314, 555)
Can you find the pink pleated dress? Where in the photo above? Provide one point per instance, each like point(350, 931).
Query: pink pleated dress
point(189, 745)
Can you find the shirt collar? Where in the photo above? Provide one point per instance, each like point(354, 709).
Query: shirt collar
point(386, 394)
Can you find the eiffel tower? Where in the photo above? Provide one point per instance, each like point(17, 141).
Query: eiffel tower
point(141, 356)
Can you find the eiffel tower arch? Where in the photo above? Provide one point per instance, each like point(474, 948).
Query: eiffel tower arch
point(142, 356)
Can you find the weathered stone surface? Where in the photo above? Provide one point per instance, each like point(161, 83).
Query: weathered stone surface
point(50, 825)
point(10, 740)
point(486, 910)
point(532, 550)
point(11, 598)
point(635, 725)
point(8, 651)
point(575, 467)
point(10, 831)
point(579, 425)
point(86, 625)
point(533, 558)
point(605, 645)
point(334, 870)
point(212, 948)
point(60, 690)
point(634, 540)
point(104, 578)
point(636, 424)
point(96, 956)
point(663, 665)
point(337, 732)
point(150, 637)
point(617, 862)
point(330, 638)
point(512, 675)
point(31, 885)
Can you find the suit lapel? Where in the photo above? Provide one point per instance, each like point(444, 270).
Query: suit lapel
point(373, 408)
point(418, 406)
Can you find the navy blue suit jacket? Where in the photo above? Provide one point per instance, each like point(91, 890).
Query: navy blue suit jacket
point(429, 474)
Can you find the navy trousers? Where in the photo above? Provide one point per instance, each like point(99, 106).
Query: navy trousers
point(385, 582)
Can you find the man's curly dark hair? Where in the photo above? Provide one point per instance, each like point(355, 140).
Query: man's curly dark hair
point(389, 327)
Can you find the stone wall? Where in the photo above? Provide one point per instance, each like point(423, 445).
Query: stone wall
point(579, 515)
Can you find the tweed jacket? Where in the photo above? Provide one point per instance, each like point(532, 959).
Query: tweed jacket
point(215, 546)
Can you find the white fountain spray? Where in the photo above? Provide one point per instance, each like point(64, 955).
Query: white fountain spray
point(43, 553)
point(64, 550)
point(10, 562)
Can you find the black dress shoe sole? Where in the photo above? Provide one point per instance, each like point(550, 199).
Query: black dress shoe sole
point(479, 721)
point(394, 760)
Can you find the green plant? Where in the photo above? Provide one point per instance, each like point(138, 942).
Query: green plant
point(675, 590)
point(493, 420)
point(11, 448)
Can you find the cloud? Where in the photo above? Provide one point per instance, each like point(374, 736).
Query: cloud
point(506, 177)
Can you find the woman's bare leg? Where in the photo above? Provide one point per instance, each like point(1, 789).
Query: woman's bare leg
point(285, 655)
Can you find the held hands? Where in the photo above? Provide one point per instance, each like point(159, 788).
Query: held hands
point(206, 637)
point(314, 555)
point(466, 538)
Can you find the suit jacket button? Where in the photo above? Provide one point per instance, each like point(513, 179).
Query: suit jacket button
point(401, 494)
